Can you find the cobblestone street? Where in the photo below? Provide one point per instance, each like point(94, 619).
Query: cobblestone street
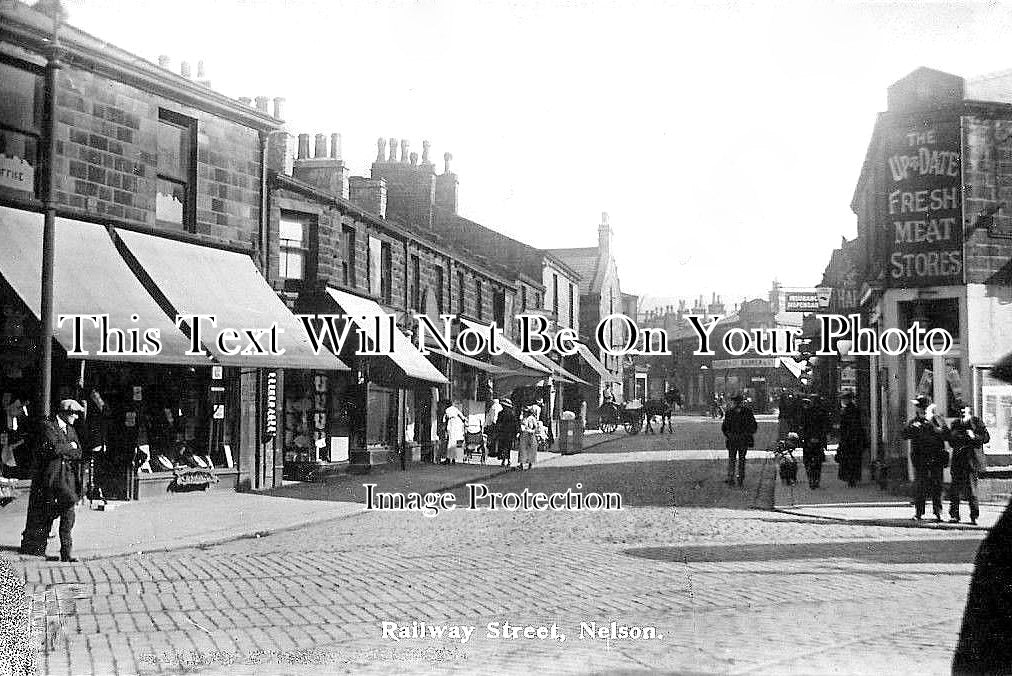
point(728, 589)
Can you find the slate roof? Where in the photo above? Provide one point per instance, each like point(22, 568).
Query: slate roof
point(585, 261)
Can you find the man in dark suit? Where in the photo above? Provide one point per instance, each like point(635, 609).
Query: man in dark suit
point(738, 427)
point(927, 433)
point(59, 454)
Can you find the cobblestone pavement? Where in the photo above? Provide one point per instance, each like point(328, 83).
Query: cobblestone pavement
point(726, 589)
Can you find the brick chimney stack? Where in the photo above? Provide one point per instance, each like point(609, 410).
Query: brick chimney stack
point(446, 187)
point(410, 186)
point(369, 194)
point(326, 172)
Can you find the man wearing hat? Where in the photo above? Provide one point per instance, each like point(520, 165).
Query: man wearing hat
point(967, 437)
point(927, 435)
point(56, 486)
point(738, 427)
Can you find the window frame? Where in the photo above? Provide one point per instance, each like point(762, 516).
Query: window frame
point(415, 294)
point(461, 305)
point(39, 102)
point(307, 221)
point(478, 298)
point(189, 182)
point(348, 276)
point(386, 272)
point(439, 289)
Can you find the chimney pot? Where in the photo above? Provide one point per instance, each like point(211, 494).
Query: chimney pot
point(279, 107)
point(321, 146)
point(164, 61)
point(262, 103)
point(425, 152)
point(303, 146)
point(335, 146)
point(200, 70)
point(446, 162)
point(404, 151)
point(414, 159)
point(184, 69)
point(393, 150)
point(381, 149)
point(245, 100)
point(604, 218)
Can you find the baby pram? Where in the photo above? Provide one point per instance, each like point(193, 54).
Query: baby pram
point(475, 443)
point(787, 465)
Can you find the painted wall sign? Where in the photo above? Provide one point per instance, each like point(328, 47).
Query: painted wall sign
point(923, 215)
point(16, 173)
point(745, 363)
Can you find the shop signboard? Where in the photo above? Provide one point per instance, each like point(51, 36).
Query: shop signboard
point(807, 300)
point(922, 203)
point(745, 363)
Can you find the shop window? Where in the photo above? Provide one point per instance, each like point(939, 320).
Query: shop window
point(555, 294)
point(386, 272)
point(373, 265)
point(293, 235)
point(478, 298)
point(572, 305)
point(175, 197)
point(381, 416)
point(439, 290)
point(348, 256)
point(21, 104)
point(499, 308)
point(416, 281)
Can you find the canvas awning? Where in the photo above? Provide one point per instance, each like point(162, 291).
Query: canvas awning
point(791, 365)
point(404, 355)
point(557, 371)
point(529, 365)
point(202, 280)
point(595, 364)
point(485, 366)
point(89, 278)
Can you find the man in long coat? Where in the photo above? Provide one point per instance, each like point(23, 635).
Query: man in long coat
point(853, 441)
point(927, 433)
point(59, 452)
point(738, 427)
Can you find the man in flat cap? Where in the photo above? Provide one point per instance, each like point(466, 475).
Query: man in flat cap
point(56, 485)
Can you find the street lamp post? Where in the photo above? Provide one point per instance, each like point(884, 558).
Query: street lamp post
point(53, 66)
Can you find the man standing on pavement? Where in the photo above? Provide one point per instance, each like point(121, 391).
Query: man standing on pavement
point(967, 437)
point(738, 427)
point(853, 441)
point(814, 426)
point(56, 485)
point(927, 433)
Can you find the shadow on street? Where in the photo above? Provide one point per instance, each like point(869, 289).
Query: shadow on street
point(960, 550)
point(685, 483)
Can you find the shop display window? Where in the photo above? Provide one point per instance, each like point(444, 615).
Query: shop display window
point(381, 416)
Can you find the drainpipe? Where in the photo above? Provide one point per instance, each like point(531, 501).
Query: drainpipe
point(53, 66)
point(264, 216)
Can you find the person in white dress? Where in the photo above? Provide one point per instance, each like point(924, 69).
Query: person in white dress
point(455, 424)
point(527, 451)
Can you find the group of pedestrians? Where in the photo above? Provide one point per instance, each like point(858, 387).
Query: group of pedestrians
point(508, 433)
point(928, 433)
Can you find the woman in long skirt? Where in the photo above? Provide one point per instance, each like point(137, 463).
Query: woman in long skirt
point(528, 448)
point(507, 428)
point(455, 422)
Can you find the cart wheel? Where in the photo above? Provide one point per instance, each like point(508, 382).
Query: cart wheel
point(608, 427)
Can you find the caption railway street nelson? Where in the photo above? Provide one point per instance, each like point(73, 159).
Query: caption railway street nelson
point(281, 393)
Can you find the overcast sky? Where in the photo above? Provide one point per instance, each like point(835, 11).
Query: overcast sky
point(724, 139)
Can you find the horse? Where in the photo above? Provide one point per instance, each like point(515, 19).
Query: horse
point(658, 407)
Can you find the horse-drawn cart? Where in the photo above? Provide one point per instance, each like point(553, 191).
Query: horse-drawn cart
point(630, 416)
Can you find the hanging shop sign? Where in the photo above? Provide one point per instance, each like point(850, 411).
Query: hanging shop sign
point(922, 202)
point(754, 363)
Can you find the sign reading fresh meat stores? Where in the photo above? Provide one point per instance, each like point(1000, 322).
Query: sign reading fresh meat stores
point(923, 204)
